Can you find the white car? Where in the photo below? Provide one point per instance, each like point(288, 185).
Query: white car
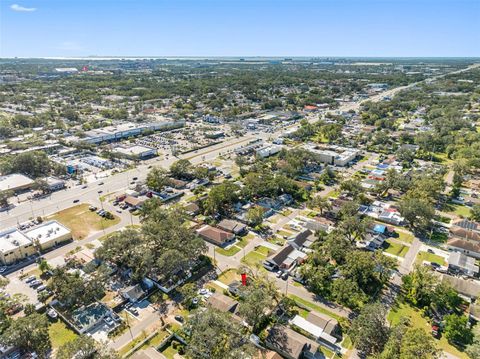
point(52, 314)
point(108, 321)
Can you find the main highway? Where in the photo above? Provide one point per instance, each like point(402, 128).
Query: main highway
point(117, 182)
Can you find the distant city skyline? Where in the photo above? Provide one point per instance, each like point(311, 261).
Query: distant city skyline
point(234, 28)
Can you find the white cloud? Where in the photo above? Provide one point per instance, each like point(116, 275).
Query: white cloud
point(19, 8)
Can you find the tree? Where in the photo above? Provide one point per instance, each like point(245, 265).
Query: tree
point(4, 196)
point(417, 211)
point(474, 214)
point(189, 293)
point(255, 215)
point(369, 331)
point(182, 169)
point(321, 203)
point(33, 164)
point(214, 335)
point(405, 342)
point(85, 347)
point(419, 286)
point(41, 185)
point(417, 344)
point(473, 349)
point(74, 291)
point(260, 296)
point(30, 334)
point(457, 330)
point(157, 179)
point(43, 266)
point(221, 198)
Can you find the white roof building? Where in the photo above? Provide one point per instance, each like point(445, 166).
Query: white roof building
point(14, 182)
point(135, 151)
point(49, 234)
point(14, 245)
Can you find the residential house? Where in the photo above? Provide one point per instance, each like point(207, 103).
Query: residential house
point(230, 225)
point(302, 240)
point(285, 258)
point(222, 303)
point(215, 236)
point(460, 263)
point(132, 293)
point(192, 209)
point(290, 344)
point(466, 246)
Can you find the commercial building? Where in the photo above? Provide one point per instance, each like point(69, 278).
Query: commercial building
point(15, 182)
point(128, 129)
point(55, 184)
point(49, 234)
point(268, 150)
point(333, 155)
point(14, 246)
point(136, 151)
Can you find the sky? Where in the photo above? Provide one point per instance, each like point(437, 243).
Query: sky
point(363, 28)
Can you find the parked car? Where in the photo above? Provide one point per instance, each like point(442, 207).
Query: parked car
point(135, 178)
point(41, 288)
point(92, 208)
point(279, 273)
point(179, 318)
point(52, 313)
point(285, 276)
point(30, 279)
point(3, 269)
point(109, 321)
point(36, 283)
point(101, 183)
point(76, 200)
point(430, 251)
point(134, 311)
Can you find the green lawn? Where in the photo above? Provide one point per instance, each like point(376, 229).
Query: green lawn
point(229, 276)
point(263, 250)
point(283, 233)
point(237, 247)
point(313, 306)
point(429, 257)
point(458, 209)
point(60, 334)
point(253, 259)
point(333, 193)
point(396, 249)
point(231, 251)
point(405, 237)
point(82, 221)
point(403, 310)
point(155, 340)
point(169, 352)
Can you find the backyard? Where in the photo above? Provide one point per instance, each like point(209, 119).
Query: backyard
point(60, 334)
point(403, 310)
